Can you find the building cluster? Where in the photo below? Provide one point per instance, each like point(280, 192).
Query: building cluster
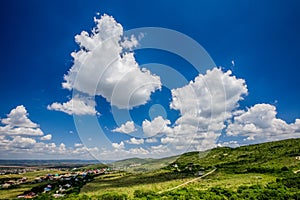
point(59, 183)
point(11, 183)
point(15, 170)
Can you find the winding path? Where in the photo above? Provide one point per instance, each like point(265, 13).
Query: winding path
point(188, 182)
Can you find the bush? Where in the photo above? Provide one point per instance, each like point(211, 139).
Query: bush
point(143, 193)
point(113, 196)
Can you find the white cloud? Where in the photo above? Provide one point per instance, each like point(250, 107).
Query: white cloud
point(151, 140)
point(129, 43)
point(62, 147)
point(118, 145)
point(19, 117)
point(22, 142)
point(167, 140)
point(260, 124)
point(18, 140)
point(76, 106)
point(135, 141)
point(231, 143)
point(156, 126)
point(47, 137)
point(204, 104)
point(78, 145)
point(18, 123)
point(105, 66)
point(128, 127)
point(29, 148)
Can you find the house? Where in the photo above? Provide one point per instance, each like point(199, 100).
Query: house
point(6, 185)
point(48, 188)
point(58, 195)
point(199, 173)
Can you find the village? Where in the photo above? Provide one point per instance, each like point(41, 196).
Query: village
point(58, 184)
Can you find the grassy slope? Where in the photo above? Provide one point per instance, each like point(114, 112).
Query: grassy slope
point(247, 165)
point(143, 164)
point(267, 155)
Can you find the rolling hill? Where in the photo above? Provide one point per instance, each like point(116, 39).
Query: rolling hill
point(260, 171)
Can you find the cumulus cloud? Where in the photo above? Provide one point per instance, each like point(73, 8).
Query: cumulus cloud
point(47, 137)
point(260, 124)
point(151, 140)
point(76, 106)
point(78, 145)
point(204, 104)
point(19, 117)
point(22, 142)
point(156, 126)
point(118, 145)
point(18, 123)
point(29, 148)
point(105, 66)
point(135, 141)
point(18, 140)
point(128, 127)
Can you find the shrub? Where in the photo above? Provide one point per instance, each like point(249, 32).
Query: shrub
point(113, 196)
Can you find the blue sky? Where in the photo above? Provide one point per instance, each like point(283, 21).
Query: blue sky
point(37, 38)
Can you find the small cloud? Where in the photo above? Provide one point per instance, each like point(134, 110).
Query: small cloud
point(118, 146)
point(135, 141)
point(78, 145)
point(76, 106)
point(18, 123)
point(151, 140)
point(233, 63)
point(47, 137)
point(128, 127)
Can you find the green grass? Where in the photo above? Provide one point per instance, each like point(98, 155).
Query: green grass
point(31, 175)
point(258, 165)
point(128, 183)
point(249, 165)
point(144, 165)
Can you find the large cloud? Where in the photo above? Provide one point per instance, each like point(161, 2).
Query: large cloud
point(204, 104)
point(260, 124)
point(105, 66)
point(18, 123)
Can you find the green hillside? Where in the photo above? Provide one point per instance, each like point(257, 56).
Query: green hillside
point(266, 157)
point(142, 165)
point(261, 171)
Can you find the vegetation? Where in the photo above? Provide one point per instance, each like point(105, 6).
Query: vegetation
point(249, 172)
point(262, 171)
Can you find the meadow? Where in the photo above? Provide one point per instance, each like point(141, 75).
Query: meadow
point(261, 171)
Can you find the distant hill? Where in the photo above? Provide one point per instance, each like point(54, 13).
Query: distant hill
point(268, 156)
point(141, 165)
point(47, 163)
point(265, 157)
point(261, 171)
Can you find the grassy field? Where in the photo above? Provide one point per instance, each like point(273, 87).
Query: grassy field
point(128, 183)
point(142, 165)
point(122, 183)
point(263, 171)
point(260, 165)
